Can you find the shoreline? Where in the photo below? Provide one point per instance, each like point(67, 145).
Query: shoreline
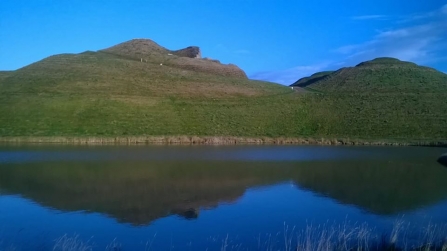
point(215, 140)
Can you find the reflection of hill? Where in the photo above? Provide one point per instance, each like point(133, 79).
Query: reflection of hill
point(443, 160)
point(134, 192)
point(382, 187)
point(139, 193)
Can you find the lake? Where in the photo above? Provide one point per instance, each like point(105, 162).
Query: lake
point(215, 197)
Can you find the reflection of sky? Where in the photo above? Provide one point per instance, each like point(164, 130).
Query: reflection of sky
point(259, 213)
point(244, 153)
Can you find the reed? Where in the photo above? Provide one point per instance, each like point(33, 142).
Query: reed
point(216, 140)
point(324, 237)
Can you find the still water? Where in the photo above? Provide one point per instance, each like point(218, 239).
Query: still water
point(211, 198)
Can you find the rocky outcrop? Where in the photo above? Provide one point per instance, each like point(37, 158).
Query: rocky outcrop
point(189, 52)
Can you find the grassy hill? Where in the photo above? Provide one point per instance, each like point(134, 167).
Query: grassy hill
point(385, 97)
point(381, 75)
point(139, 88)
point(106, 93)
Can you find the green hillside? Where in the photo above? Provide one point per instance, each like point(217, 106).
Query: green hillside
point(139, 88)
point(4, 74)
point(384, 97)
point(104, 93)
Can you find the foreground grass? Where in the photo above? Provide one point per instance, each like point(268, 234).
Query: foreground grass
point(343, 237)
point(357, 116)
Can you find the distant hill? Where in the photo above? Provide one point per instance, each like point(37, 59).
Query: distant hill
point(378, 75)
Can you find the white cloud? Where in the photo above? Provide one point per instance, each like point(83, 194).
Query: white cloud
point(421, 39)
point(225, 49)
point(370, 17)
point(347, 49)
point(415, 42)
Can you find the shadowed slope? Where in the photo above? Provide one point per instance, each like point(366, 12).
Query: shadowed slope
point(304, 82)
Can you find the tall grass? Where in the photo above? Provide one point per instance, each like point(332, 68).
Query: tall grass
point(346, 237)
point(217, 140)
point(324, 237)
point(72, 243)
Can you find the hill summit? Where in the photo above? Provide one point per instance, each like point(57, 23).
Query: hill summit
point(189, 58)
point(143, 48)
point(377, 75)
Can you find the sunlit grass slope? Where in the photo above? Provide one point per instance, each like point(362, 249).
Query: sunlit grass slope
point(139, 88)
point(4, 74)
point(101, 93)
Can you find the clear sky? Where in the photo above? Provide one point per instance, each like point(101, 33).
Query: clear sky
point(276, 40)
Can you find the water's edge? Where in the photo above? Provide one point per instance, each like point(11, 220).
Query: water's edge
point(219, 140)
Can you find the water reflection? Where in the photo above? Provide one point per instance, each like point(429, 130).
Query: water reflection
point(443, 160)
point(139, 190)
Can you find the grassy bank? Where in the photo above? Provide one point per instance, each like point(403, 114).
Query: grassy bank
point(372, 117)
point(216, 140)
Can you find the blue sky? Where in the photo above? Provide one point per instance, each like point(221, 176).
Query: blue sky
point(273, 40)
